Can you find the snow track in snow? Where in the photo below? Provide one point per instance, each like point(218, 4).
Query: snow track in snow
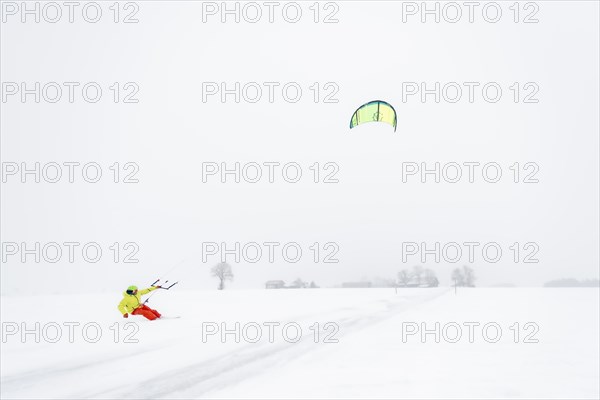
point(253, 359)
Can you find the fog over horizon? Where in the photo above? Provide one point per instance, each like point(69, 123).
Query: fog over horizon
point(178, 131)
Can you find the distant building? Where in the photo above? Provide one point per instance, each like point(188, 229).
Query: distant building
point(274, 285)
point(356, 284)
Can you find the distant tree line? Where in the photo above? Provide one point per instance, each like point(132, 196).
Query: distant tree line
point(424, 277)
point(417, 277)
point(297, 284)
point(570, 282)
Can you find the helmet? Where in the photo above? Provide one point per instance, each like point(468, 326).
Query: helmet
point(132, 289)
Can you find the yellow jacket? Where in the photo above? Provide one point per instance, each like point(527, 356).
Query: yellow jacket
point(132, 301)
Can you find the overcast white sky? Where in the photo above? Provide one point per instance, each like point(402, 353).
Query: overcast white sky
point(368, 54)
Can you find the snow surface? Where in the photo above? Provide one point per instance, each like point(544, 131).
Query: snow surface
point(370, 359)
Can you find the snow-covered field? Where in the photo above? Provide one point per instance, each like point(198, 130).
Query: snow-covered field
point(378, 354)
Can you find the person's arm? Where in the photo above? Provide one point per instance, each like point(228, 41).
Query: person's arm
point(148, 290)
point(123, 307)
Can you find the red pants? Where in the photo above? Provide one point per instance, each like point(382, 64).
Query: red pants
point(146, 312)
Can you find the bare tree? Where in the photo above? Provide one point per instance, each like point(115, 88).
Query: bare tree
point(404, 277)
point(430, 278)
point(417, 273)
point(299, 283)
point(223, 272)
point(458, 278)
point(469, 276)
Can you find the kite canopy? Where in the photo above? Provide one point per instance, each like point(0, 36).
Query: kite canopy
point(374, 111)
